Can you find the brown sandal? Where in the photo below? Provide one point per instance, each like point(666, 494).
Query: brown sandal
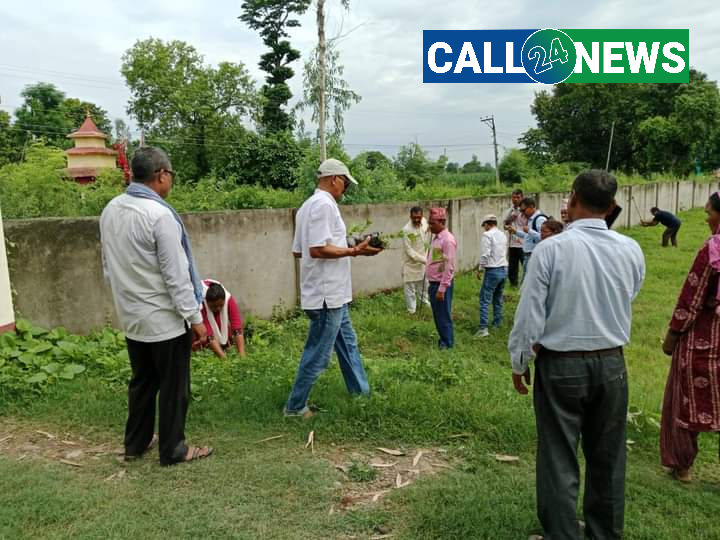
point(198, 452)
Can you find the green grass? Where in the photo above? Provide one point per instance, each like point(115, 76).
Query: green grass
point(421, 398)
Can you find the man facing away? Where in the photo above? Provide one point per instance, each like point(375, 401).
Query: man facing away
point(325, 288)
point(671, 222)
point(515, 220)
point(574, 317)
point(440, 272)
point(416, 242)
point(493, 262)
point(157, 293)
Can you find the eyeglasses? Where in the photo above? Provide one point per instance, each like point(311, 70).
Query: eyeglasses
point(169, 171)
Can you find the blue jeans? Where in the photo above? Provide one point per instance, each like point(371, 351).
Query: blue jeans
point(442, 314)
point(492, 291)
point(328, 328)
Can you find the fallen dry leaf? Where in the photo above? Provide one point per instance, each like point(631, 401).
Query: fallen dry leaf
point(506, 459)
point(6, 438)
point(383, 465)
point(71, 463)
point(391, 452)
point(270, 439)
point(48, 435)
point(70, 443)
point(379, 494)
point(398, 480)
point(311, 441)
point(416, 459)
point(460, 436)
point(75, 454)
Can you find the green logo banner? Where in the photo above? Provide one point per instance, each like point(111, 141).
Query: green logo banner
point(630, 56)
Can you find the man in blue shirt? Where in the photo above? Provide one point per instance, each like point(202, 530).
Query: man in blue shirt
point(671, 221)
point(574, 317)
point(530, 233)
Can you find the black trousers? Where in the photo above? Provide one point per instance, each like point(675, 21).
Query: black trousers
point(515, 257)
point(670, 235)
point(581, 397)
point(162, 367)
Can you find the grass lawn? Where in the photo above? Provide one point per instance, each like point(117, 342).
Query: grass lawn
point(457, 407)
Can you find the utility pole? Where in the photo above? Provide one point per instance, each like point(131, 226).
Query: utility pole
point(321, 54)
point(612, 132)
point(490, 121)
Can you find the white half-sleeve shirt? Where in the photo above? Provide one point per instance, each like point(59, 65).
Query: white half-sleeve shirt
point(323, 282)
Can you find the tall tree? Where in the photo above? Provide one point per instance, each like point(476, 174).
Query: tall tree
point(47, 113)
point(272, 18)
point(184, 104)
point(335, 95)
point(10, 140)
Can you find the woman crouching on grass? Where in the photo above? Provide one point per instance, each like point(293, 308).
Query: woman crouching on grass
point(222, 319)
point(692, 393)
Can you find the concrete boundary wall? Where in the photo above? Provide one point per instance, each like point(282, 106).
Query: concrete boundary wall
point(56, 271)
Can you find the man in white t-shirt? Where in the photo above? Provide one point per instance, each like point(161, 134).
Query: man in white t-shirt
point(326, 288)
point(493, 263)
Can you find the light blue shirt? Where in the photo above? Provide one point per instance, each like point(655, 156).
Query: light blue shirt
point(577, 293)
point(532, 237)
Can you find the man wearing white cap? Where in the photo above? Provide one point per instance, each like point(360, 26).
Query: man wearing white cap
point(325, 287)
point(493, 261)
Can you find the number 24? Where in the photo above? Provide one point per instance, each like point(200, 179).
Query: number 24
point(557, 52)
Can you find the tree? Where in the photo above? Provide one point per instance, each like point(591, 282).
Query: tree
point(10, 145)
point(514, 167)
point(372, 160)
point(575, 120)
point(272, 18)
point(184, 104)
point(47, 113)
point(76, 111)
point(337, 96)
point(474, 166)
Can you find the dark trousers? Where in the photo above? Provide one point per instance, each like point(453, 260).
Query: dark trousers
point(670, 235)
point(442, 315)
point(162, 367)
point(515, 257)
point(581, 397)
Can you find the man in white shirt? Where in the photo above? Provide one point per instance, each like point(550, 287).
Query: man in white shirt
point(148, 261)
point(325, 287)
point(493, 261)
point(416, 242)
point(574, 316)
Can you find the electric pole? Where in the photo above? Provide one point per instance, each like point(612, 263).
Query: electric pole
point(612, 132)
point(490, 121)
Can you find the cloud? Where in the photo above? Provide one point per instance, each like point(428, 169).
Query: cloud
point(78, 45)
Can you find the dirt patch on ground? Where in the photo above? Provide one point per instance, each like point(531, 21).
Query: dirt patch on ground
point(21, 441)
point(370, 474)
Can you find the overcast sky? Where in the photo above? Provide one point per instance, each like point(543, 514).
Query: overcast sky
point(77, 45)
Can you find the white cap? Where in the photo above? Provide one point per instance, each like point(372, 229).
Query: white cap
point(334, 167)
point(489, 217)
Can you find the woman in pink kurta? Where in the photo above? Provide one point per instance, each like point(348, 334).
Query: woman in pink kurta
point(692, 394)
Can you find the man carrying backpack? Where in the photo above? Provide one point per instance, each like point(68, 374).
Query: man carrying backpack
point(530, 233)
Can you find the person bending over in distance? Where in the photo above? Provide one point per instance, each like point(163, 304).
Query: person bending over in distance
point(225, 326)
point(550, 228)
point(574, 318)
point(692, 392)
point(671, 222)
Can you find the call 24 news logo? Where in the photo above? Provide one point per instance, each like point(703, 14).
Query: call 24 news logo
point(551, 56)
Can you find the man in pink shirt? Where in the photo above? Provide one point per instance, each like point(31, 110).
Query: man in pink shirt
point(440, 273)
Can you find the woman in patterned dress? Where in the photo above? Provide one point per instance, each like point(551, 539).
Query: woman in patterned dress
point(692, 393)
